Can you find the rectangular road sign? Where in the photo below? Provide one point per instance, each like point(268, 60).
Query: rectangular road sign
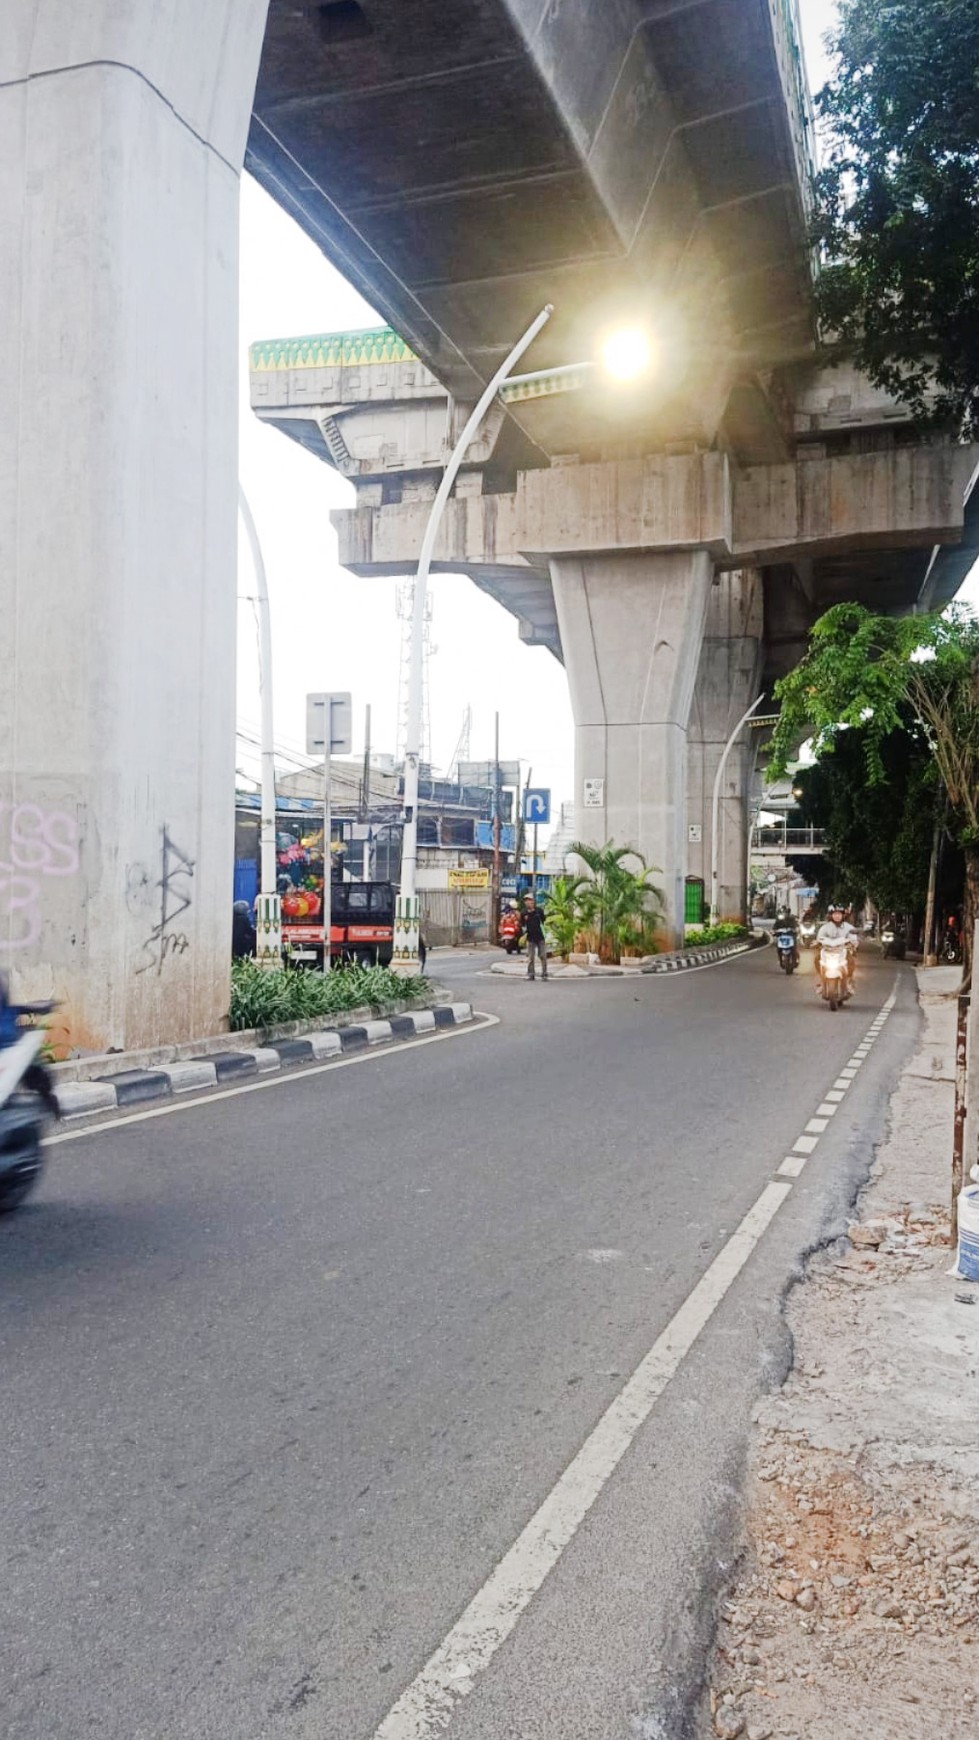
point(338, 710)
point(537, 805)
point(594, 794)
point(484, 773)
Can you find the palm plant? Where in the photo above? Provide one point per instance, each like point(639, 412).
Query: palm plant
point(619, 899)
point(563, 912)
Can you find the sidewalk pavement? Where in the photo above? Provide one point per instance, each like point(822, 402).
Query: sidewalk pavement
point(855, 1614)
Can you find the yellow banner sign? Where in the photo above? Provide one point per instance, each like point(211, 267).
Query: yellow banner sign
point(469, 879)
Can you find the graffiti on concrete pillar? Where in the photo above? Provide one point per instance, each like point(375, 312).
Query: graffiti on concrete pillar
point(167, 940)
point(36, 845)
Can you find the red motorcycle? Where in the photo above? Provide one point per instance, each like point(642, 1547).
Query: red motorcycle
point(510, 932)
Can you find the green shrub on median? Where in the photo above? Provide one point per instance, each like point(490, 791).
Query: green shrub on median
point(713, 933)
point(262, 997)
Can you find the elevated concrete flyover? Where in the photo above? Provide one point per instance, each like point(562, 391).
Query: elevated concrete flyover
point(673, 584)
point(465, 161)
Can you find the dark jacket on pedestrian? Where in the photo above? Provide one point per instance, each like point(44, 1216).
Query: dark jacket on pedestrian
point(243, 936)
point(532, 924)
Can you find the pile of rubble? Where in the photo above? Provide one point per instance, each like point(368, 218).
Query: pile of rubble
point(856, 1613)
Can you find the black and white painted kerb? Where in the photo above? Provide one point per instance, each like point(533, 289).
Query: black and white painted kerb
point(131, 1087)
point(680, 963)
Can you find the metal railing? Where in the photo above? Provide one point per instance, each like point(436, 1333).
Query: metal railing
point(775, 837)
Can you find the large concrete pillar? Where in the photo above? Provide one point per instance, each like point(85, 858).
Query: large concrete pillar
point(122, 134)
point(631, 628)
point(728, 680)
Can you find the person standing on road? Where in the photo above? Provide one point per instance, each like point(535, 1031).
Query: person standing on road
point(532, 925)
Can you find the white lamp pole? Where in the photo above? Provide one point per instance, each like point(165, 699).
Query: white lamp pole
point(715, 844)
point(405, 959)
point(269, 916)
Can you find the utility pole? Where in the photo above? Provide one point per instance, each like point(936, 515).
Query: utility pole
point(269, 914)
point(365, 784)
point(327, 856)
point(406, 911)
point(495, 898)
point(929, 954)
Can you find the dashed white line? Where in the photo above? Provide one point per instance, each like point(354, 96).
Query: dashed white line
point(816, 1126)
point(805, 1144)
point(792, 1165)
point(827, 1110)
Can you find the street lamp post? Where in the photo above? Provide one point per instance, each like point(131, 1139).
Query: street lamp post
point(716, 804)
point(269, 916)
point(405, 960)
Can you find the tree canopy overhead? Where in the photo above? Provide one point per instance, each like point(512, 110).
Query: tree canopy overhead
point(898, 201)
point(885, 675)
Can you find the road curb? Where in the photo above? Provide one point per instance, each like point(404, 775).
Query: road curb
point(129, 1087)
point(680, 963)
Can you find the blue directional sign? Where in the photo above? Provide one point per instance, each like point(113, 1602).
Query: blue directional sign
point(537, 805)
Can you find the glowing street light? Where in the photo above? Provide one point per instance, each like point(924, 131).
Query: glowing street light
point(626, 354)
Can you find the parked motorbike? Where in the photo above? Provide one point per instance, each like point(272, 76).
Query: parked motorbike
point(26, 1103)
point(834, 973)
point(510, 934)
point(788, 953)
point(952, 945)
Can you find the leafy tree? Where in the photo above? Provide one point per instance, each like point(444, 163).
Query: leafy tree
point(620, 904)
point(878, 831)
point(878, 673)
point(898, 201)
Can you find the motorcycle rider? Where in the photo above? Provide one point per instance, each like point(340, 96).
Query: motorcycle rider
point(837, 928)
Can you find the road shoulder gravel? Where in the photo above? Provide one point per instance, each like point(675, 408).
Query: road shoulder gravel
point(856, 1607)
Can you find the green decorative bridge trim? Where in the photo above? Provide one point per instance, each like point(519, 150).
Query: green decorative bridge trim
point(330, 350)
point(546, 386)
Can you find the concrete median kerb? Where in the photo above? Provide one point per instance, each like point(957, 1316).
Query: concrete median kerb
point(132, 1081)
point(678, 962)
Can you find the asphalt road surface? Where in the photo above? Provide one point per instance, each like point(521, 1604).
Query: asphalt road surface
point(286, 1374)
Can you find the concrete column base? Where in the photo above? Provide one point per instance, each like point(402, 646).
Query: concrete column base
point(728, 680)
point(122, 133)
point(631, 627)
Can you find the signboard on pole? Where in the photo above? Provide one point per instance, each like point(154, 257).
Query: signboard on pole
point(537, 806)
point(337, 710)
point(484, 773)
point(469, 880)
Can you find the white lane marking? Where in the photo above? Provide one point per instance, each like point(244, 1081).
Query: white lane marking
point(816, 1126)
point(835, 1095)
point(805, 1144)
point(827, 1109)
point(847, 1074)
point(479, 1025)
point(428, 1704)
point(792, 1165)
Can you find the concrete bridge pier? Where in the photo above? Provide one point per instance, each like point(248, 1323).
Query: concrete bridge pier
point(729, 678)
point(122, 135)
point(632, 628)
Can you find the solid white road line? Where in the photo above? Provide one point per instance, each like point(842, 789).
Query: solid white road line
point(427, 1706)
point(479, 1025)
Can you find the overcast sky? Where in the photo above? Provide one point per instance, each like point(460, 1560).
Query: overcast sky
point(332, 631)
